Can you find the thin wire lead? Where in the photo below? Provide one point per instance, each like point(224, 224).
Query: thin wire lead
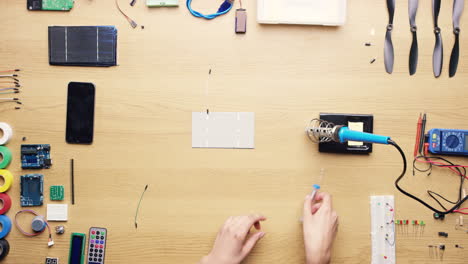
point(14, 70)
point(131, 21)
point(9, 88)
point(138, 206)
point(8, 75)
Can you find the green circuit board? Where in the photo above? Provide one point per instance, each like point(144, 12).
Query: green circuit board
point(57, 4)
point(56, 192)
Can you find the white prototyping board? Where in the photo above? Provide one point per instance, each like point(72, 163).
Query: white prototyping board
point(234, 130)
point(383, 229)
point(57, 212)
point(306, 12)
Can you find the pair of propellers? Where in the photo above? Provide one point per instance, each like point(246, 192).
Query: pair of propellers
point(437, 58)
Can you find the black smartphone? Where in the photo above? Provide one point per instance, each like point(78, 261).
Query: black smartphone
point(80, 113)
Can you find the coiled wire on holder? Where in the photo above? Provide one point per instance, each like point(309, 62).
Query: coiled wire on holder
point(320, 130)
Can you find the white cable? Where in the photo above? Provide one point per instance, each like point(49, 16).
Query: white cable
point(7, 133)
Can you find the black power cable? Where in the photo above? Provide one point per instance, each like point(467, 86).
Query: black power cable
point(457, 205)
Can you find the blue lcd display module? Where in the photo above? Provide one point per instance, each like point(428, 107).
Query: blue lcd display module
point(448, 141)
point(77, 248)
point(32, 186)
point(35, 156)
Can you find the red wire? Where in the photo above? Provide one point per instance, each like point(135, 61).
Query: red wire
point(26, 233)
point(451, 167)
point(461, 211)
point(14, 70)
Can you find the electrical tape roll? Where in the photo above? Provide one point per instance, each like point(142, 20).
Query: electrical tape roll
point(8, 180)
point(5, 198)
point(6, 155)
point(4, 248)
point(5, 222)
point(7, 133)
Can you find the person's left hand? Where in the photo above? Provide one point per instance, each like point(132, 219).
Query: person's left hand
point(233, 242)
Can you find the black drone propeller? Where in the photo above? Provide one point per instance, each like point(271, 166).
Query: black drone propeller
point(413, 57)
point(457, 11)
point(438, 56)
point(388, 47)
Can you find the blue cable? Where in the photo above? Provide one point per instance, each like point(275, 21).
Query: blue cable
point(225, 7)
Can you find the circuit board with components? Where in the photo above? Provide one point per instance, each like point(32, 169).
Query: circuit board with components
point(56, 193)
point(51, 5)
point(32, 189)
point(51, 260)
point(35, 156)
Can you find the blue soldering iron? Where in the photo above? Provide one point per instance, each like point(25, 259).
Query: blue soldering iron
point(324, 131)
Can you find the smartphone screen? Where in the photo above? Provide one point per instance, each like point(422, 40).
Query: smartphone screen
point(80, 113)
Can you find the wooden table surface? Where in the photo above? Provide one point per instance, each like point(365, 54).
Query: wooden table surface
point(286, 74)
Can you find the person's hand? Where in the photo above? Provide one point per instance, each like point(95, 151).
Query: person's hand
point(234, 242)
point(320, 226)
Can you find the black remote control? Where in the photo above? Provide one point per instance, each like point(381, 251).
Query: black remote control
point(97, 245)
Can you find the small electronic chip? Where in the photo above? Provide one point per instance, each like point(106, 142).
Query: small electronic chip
point(32, 189)
point(51, 260)
point(51, 5)
point(35, 156)
point(56, 192)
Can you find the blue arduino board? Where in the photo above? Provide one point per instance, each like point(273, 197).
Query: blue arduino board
point(448, 141)
point(35, 156)
point(32, 186)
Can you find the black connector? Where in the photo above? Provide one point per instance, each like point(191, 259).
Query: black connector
point(443, 234)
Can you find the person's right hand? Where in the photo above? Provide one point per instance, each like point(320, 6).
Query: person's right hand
point(320, 225)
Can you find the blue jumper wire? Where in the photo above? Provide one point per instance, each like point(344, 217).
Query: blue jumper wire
point(225, 7)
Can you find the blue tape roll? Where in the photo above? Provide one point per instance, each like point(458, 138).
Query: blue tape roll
point(6, 225)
